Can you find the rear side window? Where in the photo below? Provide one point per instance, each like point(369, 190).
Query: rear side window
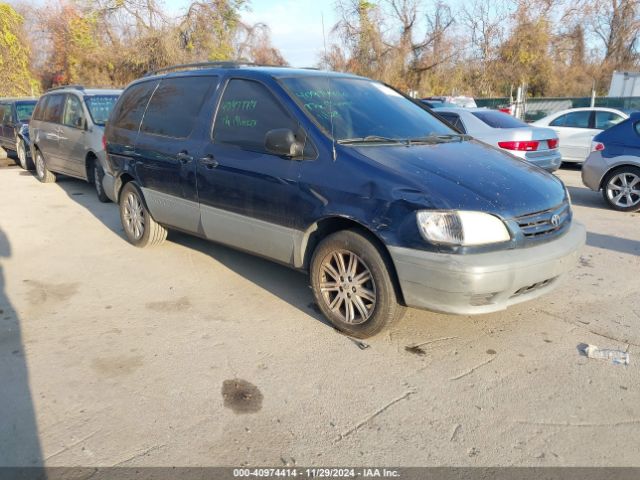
point(499, 119)
point(606, 120)
point(248, 110)
point(573, 119)
point(53, 110)
point(175, 106)
point(131, 106)
point(38, 113)
point(453, 119)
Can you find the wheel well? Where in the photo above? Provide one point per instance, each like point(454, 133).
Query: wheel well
point(122, 180)
point(88, 165)
point(613, 169)
point(332, 225)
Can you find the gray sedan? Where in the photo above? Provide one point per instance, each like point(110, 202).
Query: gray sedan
point(538, 146)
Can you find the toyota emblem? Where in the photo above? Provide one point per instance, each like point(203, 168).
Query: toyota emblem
point(555, 220)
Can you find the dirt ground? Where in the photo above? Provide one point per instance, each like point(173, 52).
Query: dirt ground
point(194, 354)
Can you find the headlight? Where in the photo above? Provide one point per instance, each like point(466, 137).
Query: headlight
point(454, 227)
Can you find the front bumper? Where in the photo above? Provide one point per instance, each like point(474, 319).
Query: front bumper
point(484, 282)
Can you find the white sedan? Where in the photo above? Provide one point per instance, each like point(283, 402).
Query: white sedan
point(538, 146)
point(577, 127)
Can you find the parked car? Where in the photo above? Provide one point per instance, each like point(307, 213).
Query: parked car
point(613, 166)
point(14, 128)
point(67, 130)
point(577, 127)
point(341, 176)
point(536, 145)
point(435, 102)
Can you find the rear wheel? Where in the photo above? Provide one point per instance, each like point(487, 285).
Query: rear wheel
point(42, 172)
point(621, 189)
point(98, 176)
point(352, 284)
point(139, 227)
point(21, 150)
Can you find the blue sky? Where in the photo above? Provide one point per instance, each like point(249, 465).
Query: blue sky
point(296, 25)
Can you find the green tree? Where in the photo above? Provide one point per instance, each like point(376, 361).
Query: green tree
point(17, 79)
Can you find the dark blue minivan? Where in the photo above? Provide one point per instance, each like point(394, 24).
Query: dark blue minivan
point(380, 201)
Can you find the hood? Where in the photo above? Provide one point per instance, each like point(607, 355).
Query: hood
point(469, 176)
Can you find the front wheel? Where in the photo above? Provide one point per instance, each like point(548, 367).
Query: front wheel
point(352, 284)
point(98, 176)
point(139, 226)
point(42, 172)
point(621, 189)
point(21, 150)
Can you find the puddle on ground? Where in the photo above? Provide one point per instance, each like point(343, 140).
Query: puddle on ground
point(241, 396)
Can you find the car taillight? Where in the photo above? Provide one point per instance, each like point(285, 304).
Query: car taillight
point(104, 142)
point(597, 146)
point(553, 143)
point(523, 146)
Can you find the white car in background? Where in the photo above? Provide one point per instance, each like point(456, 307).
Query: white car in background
point(538, 146)
point(577, 127)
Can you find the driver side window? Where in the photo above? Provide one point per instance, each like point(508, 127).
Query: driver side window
point(73, 116)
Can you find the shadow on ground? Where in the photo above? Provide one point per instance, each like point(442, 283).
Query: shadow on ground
point(19, 441)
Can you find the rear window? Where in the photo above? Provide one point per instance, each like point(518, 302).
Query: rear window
point(100, 107)
point(25, 110)
point(53, 110)
point(131, 107)
point(499, 119)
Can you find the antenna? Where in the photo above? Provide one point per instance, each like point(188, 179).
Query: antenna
point(333, 140)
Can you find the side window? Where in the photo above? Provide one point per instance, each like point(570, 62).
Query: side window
point(606, 120)
point(38, 113)
point(175, 106)
point(578, 119)
point(5, 113)
point(73, 115)
point(130, 109)
point(53, 110)
point(559, 122)
point(247, 111)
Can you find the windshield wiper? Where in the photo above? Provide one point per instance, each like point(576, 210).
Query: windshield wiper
point(368, 139)
point(440, 138)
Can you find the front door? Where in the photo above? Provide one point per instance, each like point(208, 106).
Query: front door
point(248, 197)
point(167, 148)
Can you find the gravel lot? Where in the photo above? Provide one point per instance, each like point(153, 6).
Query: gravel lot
point(194, 354)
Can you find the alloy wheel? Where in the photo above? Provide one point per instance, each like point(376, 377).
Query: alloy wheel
point(133, 215)
point(623, 190)
point(347, 286)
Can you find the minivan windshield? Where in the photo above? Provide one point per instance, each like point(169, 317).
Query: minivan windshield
point(364, 111)
point(100, 107)
point(24, 110)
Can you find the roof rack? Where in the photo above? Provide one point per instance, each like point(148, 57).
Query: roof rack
point(194, 66)
point(75, 87)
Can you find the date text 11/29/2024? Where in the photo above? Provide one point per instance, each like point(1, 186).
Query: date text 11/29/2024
point(316, 472)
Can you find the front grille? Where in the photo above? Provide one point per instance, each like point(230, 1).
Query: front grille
point(539, 224)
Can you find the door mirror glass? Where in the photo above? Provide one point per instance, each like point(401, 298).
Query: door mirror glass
point(282, 141)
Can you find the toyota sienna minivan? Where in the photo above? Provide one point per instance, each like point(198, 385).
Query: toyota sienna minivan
point(383, 204)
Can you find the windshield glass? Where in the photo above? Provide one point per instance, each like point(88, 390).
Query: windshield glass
point(497, 119)
point(100, 107)
point(362, 109)
point(24, 110)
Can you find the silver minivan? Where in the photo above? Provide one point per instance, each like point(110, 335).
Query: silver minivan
point(67, 130)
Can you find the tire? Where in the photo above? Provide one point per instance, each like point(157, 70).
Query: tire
point(360, 308)
point(42, 172)
point(621, 189)
point(98, 176)
point(139, 226)
point(25, 162)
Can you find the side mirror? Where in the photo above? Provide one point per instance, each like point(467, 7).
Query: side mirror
point(282, 141)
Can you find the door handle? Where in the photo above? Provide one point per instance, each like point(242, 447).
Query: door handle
point(209, 162)
point(184, 157)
